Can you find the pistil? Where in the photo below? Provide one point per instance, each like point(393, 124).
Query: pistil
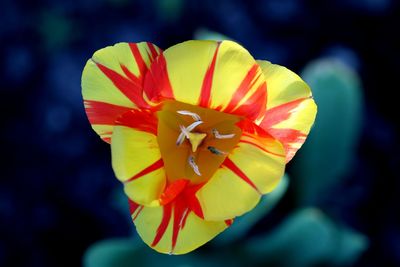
point(185, 132)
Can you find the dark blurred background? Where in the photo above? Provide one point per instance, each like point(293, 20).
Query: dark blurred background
point(57, 186)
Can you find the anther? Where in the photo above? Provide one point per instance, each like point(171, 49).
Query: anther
point(194, 165)
point(216, 151)
point(180, 139)
point(221, 136)
point(193, 125)
point(195, 116)
point(185, 132)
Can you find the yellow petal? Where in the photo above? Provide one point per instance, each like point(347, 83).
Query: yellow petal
point(291, 110)
point(136, 157)
point(112, 83)
point(173, 229)
point(217, 75)
point(253, 168)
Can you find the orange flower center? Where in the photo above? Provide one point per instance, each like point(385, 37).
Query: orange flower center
point(194, 141)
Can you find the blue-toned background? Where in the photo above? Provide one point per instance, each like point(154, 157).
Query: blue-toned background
point(57, 191)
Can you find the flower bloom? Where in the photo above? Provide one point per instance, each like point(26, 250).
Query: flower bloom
point(198, 133)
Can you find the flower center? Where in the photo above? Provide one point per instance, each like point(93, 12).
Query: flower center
point(194, 141)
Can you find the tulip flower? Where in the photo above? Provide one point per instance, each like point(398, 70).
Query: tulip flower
point(198, 133)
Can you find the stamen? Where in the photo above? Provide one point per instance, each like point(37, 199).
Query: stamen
point(195, 116)
point(221, 136)
point(193, 125)
point(194, 165)
point(185, 132)
point(216, 151)
point(180, 139)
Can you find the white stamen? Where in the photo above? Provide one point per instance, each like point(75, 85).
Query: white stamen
point(194, 165)
point(216, 151)
point(221, 136)
point(185, 132)
point(193, 125)
point(180, 139)
point(195, 116)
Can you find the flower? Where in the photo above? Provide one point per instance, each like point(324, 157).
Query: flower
point(198, 133)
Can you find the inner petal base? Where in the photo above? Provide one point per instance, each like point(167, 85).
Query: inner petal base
point(197, 144)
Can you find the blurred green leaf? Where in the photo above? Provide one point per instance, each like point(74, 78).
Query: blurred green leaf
point(119, 201)
point(327, 156)
point(204, 34)
point(126, 252)
point(243, 224)
point(56, 29)
point(350, 245)
point(307, 238)
point(112, 252)
point(169, 10)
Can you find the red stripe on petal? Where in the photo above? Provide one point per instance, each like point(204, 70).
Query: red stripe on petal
point(137, 213)
point(157, 85)
point(205, 93)
point(192, 202)
point(153, 51)
point(247, 126)
point(235, 169)
point(103, 113)
point(280, 113)
point(254, 106)
point(244, 87)
point(195, 206)
point(133, 206)
point(153, 167)
point(142, 120)
point(183, 222)
point(173, 190)
point(262, 148)
point(180, 214)
point(130, 89)
point(134, 209)
point(166, 217)
point(106, 139)
point(139, 59)
point(289, 137)
point(229, 222)
point(131, 76)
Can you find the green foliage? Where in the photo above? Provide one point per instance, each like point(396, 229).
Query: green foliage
point(169, 10)
point(56, 29)
point(327, 156)
point(112, 252)
point(128, 252)
point(306, 238)
point(205, 34)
